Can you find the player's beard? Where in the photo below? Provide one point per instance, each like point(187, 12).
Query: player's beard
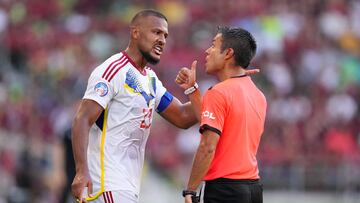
point(149, 58)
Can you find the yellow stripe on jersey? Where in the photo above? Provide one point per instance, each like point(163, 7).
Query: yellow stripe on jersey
point(126, 86)
point(102, 167)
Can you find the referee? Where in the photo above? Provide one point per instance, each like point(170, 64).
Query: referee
point(232, 122)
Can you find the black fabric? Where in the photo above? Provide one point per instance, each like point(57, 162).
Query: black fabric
point(233, 191)
point(239, 76)
point(207, 127)
point(100, 121)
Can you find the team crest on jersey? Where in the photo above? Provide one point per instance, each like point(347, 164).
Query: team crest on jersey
point(133, 85)
point(101, 89)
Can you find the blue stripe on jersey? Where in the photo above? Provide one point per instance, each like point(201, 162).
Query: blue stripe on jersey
point(153, 82)
point(164, 102)
point(100, 121)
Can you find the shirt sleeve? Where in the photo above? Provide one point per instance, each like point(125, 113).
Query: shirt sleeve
point(162, 98)
point(213, 111)
point(99, 90)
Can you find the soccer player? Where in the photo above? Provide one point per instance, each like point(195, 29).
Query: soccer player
point(232, 122)
point(113, 122)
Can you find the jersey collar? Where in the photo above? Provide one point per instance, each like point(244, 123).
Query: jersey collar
point(143, 72)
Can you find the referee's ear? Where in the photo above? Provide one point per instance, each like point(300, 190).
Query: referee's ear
point(229, 53)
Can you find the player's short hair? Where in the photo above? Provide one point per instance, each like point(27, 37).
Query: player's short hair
point(241, 41)
point(146, 13)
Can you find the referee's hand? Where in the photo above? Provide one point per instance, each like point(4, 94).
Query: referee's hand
point(188, 199)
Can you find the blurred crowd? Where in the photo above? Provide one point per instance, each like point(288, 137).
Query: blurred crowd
point(308, 53)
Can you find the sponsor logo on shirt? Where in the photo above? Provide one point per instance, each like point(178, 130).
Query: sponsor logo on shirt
point(208, 114)
point(101, 89)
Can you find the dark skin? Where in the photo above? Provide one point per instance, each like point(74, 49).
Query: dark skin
point(87, 114)
point(148, 34)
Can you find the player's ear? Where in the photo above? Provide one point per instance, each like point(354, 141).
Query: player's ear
point(135, 32)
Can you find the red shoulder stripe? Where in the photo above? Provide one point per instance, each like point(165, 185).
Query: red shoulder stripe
point(117, 70)
point(111, 65)
point(120, 63)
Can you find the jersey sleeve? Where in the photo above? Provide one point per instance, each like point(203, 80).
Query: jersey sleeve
point(163, 98)
point(99, 90)
point(213, 111)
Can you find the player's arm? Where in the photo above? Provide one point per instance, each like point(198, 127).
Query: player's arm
point(203, 157)
point(183, 115)
point(87, 114)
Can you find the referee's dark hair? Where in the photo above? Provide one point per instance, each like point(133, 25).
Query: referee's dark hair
point(241, 41)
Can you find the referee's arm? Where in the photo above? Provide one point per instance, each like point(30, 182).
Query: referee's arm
point(203, 157)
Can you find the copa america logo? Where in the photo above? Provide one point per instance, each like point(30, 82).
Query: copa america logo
point(101, 89)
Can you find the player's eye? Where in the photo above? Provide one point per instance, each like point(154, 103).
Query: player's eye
point(157, 32)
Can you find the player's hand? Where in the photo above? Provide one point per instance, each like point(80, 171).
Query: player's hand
point(252, 71)
point(188, 199)
point(80, 182)
point(187, 77)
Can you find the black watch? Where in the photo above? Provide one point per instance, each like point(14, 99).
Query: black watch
point(188, 192)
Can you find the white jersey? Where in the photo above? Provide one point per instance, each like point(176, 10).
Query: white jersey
point(117, 139)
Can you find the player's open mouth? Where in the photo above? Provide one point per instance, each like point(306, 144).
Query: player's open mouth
point(158, 50)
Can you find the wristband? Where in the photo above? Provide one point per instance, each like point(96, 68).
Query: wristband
point(192, 89)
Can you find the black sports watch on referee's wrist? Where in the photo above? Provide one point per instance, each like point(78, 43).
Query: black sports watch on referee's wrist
point(188, 192)
point(194, 198)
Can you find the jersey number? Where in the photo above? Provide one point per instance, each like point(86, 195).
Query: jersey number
point(146, 122)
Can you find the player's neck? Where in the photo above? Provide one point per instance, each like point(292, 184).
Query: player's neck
point(137, 58)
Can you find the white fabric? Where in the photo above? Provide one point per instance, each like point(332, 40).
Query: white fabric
point(117, 196)
point(131, 98)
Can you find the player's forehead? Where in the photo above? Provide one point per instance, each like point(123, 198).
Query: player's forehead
point(153, 22)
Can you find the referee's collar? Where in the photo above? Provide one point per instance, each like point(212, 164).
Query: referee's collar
point(239, 76)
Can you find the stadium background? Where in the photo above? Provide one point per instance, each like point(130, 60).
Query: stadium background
point(309, 56)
